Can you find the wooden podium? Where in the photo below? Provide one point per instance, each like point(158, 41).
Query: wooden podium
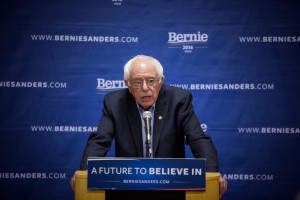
point(211, 192)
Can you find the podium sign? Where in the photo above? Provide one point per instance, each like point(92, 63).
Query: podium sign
point(146, 174)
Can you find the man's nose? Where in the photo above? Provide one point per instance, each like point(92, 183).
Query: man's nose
point(144, 85)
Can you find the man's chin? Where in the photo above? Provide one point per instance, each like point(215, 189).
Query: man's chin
point(146, 106)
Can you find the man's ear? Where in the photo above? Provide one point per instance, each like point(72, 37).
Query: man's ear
point(126, 83)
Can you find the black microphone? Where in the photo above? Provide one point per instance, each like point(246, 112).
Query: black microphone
point(147, 116)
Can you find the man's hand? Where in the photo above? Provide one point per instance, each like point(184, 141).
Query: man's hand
point(72, 183)
point(223, 186)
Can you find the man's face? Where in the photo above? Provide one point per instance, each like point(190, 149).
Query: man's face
point(144, 83)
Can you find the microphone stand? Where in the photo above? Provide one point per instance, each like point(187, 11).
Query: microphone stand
point(147, 119)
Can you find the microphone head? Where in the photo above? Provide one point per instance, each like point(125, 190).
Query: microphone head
point(147, 114)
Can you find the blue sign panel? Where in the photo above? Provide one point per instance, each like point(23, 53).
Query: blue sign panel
point(146, 174)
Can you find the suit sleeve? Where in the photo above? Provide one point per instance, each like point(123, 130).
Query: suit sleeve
point(200, 143)
point(99, 142)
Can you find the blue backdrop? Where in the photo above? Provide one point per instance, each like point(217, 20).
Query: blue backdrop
point(239, 59)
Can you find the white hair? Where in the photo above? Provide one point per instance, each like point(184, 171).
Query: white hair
point(158, 67)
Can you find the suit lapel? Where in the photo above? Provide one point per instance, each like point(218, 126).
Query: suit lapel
point(135, 124)
point(160, 114)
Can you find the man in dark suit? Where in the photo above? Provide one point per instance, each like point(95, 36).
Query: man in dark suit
point(174, 120)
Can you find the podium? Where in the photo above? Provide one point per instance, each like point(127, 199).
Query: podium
point(211, 192)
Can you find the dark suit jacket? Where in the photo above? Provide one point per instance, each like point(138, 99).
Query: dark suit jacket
point(175, 123)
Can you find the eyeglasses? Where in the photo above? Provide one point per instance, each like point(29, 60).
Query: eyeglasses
point(139, 83)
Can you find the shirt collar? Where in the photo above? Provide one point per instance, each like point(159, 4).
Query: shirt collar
point(141, 110)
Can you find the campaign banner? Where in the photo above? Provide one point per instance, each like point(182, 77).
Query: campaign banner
point(187, 174)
